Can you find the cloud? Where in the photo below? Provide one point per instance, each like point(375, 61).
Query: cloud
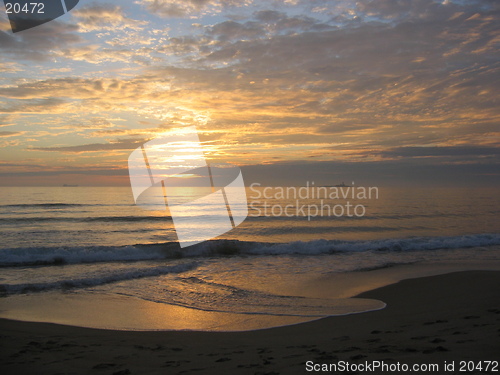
point(10, 67)
point(76, 88)
point(433, 151)
point(7, 120)
point(38, 44)
point(49, 105)
point(10, 134)
point(98, 17)
point(386, 173)
point(57, 39)
point(184, 8)
point(376, 81)
point(94, 147)
point(96, 54)
point(233, 30)
point(264, 24)
point(415, 10)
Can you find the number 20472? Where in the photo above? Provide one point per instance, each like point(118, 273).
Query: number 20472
point(28, 8)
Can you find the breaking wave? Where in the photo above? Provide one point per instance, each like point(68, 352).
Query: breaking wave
point(40, 256)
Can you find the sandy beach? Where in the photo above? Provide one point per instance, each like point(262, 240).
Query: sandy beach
point(432, 320)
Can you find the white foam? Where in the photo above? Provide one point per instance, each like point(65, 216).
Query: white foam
point(95, 254)
point(101, 279)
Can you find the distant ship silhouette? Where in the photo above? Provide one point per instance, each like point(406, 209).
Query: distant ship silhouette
point(338, 185)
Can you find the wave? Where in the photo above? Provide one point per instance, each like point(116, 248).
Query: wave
point(198, 294)
point(195, 293)
point(45, 256)
point(45, 205)
point(40, 256)
point(109, 277)
point(318, 247)
point(104, 219)
point(62, 205)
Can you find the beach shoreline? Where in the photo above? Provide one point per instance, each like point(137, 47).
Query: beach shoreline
point(338, 292)
point(436, 319)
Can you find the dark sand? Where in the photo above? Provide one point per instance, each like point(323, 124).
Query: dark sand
point(451, 317)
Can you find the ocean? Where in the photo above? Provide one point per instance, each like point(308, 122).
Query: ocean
point(94, 241)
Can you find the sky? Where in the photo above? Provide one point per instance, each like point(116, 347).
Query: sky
point(383, 92)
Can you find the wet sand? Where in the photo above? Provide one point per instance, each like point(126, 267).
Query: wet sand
point(430, 320)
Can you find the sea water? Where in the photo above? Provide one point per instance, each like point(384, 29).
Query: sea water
point(94, 241)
